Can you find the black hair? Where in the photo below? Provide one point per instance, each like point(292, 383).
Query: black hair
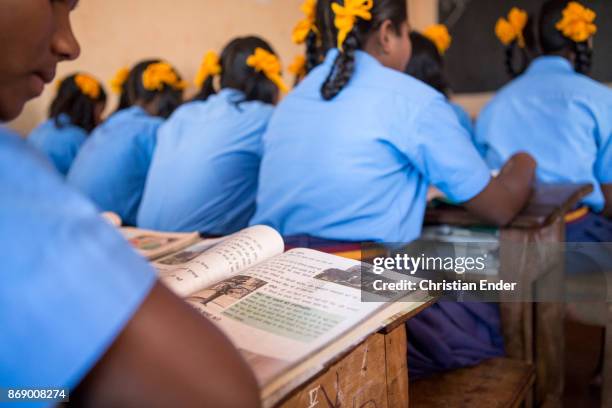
point(236, 74)
point(553, 42)
point(518, 58)
point(426, 63)
point(169, 97)
point(344, 65)
point(80, 108)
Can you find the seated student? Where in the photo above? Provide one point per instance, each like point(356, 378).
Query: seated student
point(349, 154)
point(111, 168)
point(78, 308)
point(74, 113)
point(203, 176)
point(557, 114)
point(427, 65)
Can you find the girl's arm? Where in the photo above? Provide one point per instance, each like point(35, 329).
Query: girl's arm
point(506, 195)
point(169, 355)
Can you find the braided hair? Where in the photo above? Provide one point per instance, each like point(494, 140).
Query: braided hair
point(426, 64)
point(169, 98)
point(553, 42)
point(236, 74)
point(80, 108)
point(344, 65)
point(517, 58)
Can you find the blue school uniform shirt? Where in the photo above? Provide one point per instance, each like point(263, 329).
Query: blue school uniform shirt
point(111, 168)
point(463, 117)
point(70, 282)
point(562, 118)
point(204, 172)
point(60, 144)
point(357, 168)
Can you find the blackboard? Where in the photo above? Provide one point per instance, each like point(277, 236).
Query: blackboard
point(475, 61)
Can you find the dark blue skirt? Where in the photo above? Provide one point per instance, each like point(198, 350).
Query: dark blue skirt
point(445, 336)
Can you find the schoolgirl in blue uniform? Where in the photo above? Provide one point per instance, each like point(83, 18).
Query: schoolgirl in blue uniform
point(74, 113)
point(112, 166)
point(204, 172)
point(350, 153)
point(557, 114)
point(427, 64)
point(78, 307)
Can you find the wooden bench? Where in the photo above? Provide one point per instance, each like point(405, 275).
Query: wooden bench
point(533, 332)
point(496, 383)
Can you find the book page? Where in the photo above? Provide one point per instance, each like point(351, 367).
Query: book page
point(153, 245)
point(210, 261)
point(281, 310)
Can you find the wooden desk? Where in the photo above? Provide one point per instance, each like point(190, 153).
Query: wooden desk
point(533, 332)
point(372, 371)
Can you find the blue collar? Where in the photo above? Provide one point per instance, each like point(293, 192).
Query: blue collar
point(550, 64)
point(231, 95)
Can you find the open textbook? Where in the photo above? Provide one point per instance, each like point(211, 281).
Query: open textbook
point(282, 310)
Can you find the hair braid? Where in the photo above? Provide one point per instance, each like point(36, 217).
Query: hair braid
point(342, 70)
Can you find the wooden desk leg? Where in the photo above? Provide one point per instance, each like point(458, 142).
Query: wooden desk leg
point(606, 398)
point(550, 367)
point(396, 347)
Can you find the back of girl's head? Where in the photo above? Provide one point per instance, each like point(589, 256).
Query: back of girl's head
point(237, 74)
point(517, 34)
point(82, 99)
point(426, 63)
point(554, 42)
point(147, 83)
point(342, 71)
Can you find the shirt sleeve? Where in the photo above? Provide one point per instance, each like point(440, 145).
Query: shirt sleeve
point(70, 282)
point(442, 150)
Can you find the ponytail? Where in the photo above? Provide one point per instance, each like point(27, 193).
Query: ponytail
point(584, 58)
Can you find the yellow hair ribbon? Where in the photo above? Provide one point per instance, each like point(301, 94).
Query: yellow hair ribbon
point(159, 74)
point(88, 85)
point(210, 67)
point(577, 23)
point(119, 79)
point(298, 66)
point(439, 35)
point(346, 16)
point(269, 64)
point(307, 24)
point(512, 29)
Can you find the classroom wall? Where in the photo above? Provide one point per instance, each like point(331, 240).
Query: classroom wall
point(116, 33)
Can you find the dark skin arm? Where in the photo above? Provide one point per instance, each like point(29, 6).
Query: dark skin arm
point(607, 192)
point(506, 195)
point(169, 356)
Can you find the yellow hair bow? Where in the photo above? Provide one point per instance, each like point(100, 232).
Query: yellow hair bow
point(210, 67)
point(346, 16)
point(298, 66)
point(119, 79)
point(439, 35)
point(307, 24)
point(577, 22)
point(159, 74)
point(88, 85)
point(268, 63)
point(512, 28)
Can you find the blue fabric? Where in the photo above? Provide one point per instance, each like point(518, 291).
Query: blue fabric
point(112, 166)
point(464, 118)
point(358, 167)
point(562, 118)
point(203, 176)
point(70, 282)
point(450, 335)
point(591, 228)
point(60, 144)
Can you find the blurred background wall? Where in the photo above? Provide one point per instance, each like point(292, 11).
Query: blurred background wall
point(117, 33)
